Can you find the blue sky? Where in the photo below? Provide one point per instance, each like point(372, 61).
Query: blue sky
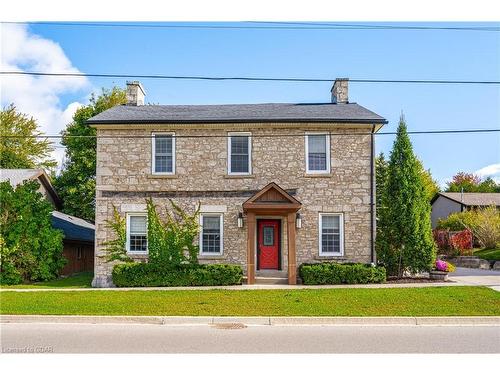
point(377, 54)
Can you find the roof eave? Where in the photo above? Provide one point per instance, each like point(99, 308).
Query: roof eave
point(237, 121)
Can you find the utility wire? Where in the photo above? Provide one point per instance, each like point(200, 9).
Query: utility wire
point(209, 78)
point(386, 27)
point(277, 26)
point(301, 135)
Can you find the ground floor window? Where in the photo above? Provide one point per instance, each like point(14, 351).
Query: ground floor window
point(331, 234)
point(211, 233)
point(137, 233)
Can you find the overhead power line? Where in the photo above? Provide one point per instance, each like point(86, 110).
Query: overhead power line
point(283, 79)
point(270, 26)
point(301, 135)
point(386, 27)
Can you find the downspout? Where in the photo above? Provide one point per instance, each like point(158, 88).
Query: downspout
point(372, 192)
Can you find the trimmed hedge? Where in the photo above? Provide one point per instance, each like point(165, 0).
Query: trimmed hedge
point(338, 273)
point(148, 274)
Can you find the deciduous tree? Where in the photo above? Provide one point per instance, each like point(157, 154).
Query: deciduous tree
point(20, 145)
point(76, 183)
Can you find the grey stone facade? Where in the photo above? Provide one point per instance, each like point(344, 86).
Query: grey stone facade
point(124, 179)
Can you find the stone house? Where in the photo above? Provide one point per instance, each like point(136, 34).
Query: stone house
point(278, 184)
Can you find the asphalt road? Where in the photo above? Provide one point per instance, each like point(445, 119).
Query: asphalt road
point(144, 338)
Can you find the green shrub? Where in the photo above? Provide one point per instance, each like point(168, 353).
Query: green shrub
point(452, 222)
point(150, 274)
point(31, 249)
point(336, 273)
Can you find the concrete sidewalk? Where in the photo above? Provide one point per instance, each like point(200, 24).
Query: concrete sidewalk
point(229, 321)
point(461, 277)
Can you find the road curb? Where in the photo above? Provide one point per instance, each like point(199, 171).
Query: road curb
point(258, 320)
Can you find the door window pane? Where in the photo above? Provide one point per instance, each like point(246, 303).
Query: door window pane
point(268, 234)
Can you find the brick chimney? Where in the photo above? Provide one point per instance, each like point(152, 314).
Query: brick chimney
point(135, 93)
point(340, 90)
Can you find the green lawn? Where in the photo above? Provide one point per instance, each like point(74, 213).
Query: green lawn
point(430, 301)
point(488, 254)
point(79, 280)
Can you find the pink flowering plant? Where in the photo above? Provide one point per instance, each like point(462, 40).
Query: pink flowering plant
point(441, 265)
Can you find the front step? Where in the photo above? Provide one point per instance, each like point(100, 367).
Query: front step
point(265, 280)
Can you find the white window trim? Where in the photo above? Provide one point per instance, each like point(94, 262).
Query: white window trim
point(320, 237)
point(127, 246)
point(327, 152)
point(153, 153)
point(243, 134)
point(221, 224)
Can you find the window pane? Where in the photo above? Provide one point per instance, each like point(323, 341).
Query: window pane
point(138, 239)
point(163, 153)
point(211, 234)
point(331, 222)
point(317, 152)
point(330, 234)
point(268, 234)
point(163, 144)
point(239, 163)
point(239, 154)
point(138, 224)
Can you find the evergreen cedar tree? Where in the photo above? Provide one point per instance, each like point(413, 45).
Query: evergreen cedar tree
point(19, 147)
point(30, 249)
point(404, 234)
point(76, 183)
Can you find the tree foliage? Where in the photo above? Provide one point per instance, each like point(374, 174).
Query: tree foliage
point(404, 235)
point(19, 145)
point(484, 223)
point(171, 241)
point(115, 248)
point(76, 183)
point(471, 183)
point(31, 250)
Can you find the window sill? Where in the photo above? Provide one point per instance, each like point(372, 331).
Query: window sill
point(163, 176)
point(239, 176)
point(138, 255)
point(324, 175)
point(330, 257)
point(210, 256)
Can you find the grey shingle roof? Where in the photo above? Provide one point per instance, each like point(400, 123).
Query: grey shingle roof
point(474, 199)
point(18, 176)
point(238, 113)
point(73, 227)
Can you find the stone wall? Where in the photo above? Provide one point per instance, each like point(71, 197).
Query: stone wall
point(124, 178)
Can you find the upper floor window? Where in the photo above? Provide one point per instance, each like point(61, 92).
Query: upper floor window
point(163, 153)
point(137, 233)
point(239, 153)
point(317, 153)
point(211, 233)
point(331, 234)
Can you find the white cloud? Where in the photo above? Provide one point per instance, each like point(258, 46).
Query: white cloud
point(38, 97)
point(492, 170)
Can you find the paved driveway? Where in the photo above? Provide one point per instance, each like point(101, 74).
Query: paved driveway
point(474, 276)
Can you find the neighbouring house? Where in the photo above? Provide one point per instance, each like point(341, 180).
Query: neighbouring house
point(78, 242)
point(444, 204)
point(279, 184)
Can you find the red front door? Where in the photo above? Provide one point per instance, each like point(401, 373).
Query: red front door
point(268, 243)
